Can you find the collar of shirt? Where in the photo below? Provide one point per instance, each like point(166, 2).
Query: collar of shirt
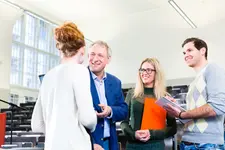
point(202, 70)
point(96, 78)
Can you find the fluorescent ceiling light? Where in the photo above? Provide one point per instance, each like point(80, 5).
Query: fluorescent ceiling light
point(182, 14)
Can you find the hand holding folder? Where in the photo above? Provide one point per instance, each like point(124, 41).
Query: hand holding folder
point(172, 108)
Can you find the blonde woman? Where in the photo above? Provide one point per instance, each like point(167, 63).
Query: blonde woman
point(147, 124)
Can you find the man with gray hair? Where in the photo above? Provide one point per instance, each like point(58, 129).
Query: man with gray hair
point(107, 95)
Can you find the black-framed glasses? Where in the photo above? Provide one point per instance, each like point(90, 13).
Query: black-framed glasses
point(147, 70)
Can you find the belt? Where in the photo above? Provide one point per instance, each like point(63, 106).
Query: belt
point(189, 143)
point(106, 138)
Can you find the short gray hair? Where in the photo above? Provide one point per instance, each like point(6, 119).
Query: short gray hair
point(103, 44)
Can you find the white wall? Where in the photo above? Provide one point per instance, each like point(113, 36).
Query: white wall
point(8, 16)
point(130, 44)
point(22, 92)
point(137, 42)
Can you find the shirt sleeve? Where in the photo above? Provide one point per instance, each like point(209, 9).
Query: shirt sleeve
point(37, 120)
point(215, 87)
point(125, 126)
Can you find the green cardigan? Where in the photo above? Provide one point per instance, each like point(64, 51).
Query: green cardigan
point(134, 119)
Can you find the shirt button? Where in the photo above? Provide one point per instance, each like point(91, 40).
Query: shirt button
point(102, 139)
point(102, 125)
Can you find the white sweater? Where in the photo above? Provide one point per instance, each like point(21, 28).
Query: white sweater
point(64, 107)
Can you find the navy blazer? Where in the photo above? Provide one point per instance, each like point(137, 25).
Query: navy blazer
point(115, 100)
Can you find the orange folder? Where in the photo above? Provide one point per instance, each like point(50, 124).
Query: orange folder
point(154, 116)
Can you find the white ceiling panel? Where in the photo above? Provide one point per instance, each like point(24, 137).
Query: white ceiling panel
point(85, 9)
point(203, 12)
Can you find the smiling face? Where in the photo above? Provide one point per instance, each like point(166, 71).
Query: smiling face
point(192, 55)
point(98, 58)
point(147, 74)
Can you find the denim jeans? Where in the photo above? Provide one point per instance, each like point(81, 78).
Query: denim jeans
point(201, 146)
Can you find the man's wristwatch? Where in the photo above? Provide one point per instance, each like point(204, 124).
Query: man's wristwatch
point(179, 116)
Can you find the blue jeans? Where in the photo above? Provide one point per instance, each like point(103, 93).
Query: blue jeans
point(202, 146)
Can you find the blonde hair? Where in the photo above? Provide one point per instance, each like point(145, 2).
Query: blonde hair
point(159, 81)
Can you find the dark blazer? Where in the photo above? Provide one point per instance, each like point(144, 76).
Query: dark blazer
point(115, 100)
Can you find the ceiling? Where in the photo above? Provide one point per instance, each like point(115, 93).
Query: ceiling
point(7, 12)
point(136, 29)
point(202, 12)
point(85, 9)
point(113, 17)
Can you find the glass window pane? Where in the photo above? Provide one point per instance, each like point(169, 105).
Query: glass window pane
point(36, 54)
point(43, 43)
point(15, 77)
point(53, 48)
point(43, 63)
point(30, 30)
point(16, 59)
point(29, 80)
point(17, 30)
point(30, 73)
point(54, 61)
point(29, 61)
point(16, 64)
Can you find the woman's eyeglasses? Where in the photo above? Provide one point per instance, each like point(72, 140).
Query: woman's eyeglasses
point(147, 70)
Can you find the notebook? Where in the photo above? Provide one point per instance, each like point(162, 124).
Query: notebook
point(163, 102)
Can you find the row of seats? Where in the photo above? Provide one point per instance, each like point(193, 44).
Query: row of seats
point(23, 137)
point(21, 117)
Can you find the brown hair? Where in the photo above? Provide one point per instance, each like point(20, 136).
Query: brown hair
point(198, 43)
point(69, 39)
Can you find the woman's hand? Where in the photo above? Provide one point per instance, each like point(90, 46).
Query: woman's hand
point(142, 135)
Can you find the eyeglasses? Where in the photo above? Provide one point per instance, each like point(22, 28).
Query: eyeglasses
point(147, 70)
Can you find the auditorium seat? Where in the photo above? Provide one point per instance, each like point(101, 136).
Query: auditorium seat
point(22, 141)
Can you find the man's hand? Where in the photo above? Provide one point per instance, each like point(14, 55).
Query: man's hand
point(172, 111)
point(142, 135)
point(97, 147)
point(106, 111)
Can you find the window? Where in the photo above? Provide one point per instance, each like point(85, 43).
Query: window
point(29, 99)
point(33, 51)
point(14, 98)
